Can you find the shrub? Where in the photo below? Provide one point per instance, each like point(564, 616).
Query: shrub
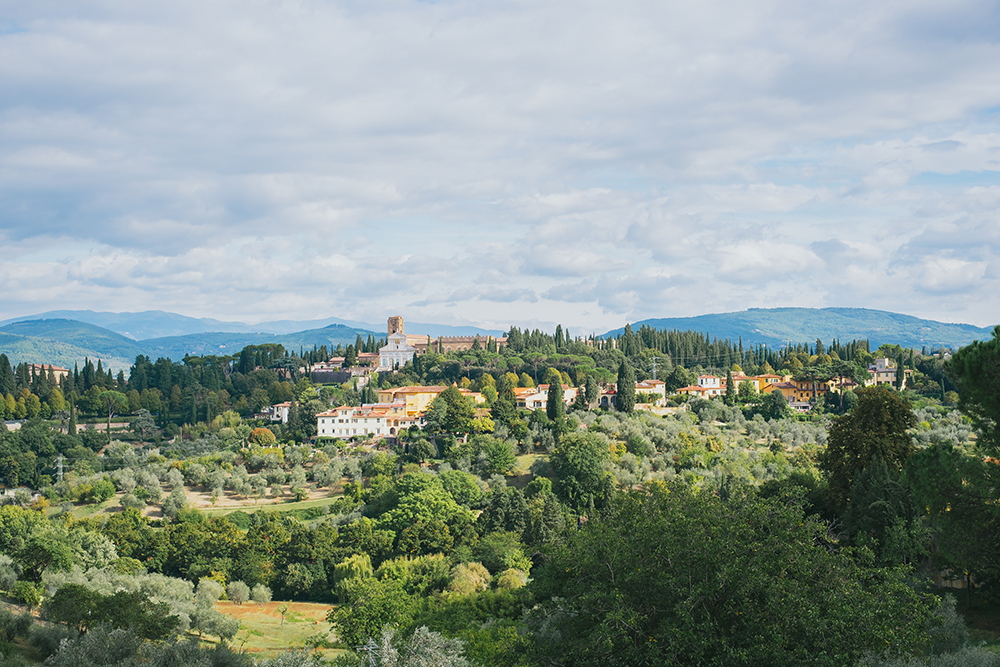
point(238, 592)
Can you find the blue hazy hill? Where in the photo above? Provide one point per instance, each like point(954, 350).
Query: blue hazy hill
point(160, 324)
point(777, 326)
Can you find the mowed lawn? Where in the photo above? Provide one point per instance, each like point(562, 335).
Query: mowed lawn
point(263, 632)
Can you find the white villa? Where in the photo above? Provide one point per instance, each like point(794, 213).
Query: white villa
point(346, 421)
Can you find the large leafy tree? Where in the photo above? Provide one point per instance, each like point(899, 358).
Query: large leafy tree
point(113, 402)
point(976, 370)
point(957, 490)
point(579, 460)
point(773, 405)
point(673, 576)
point(450, 412)
point(372, 605)
point(874, 432)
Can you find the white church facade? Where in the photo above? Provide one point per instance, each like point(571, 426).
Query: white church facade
point(396, 352)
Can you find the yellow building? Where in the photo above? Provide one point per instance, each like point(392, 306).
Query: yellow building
point(416, 398)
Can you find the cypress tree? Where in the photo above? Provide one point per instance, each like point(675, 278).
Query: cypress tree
point(7, 382)
point(625, 395)
point(730, 389)
point(591, 391)
point(554, 407)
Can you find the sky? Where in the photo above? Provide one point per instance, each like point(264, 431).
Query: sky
point(497, 163)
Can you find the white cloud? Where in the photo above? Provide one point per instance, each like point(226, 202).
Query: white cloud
point(531, 161)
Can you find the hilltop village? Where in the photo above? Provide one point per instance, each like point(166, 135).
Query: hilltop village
point(402, 408)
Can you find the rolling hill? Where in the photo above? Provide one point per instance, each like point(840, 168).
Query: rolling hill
point(777, 326)
point(160, 324)
point(65, 342)
point(176, 347)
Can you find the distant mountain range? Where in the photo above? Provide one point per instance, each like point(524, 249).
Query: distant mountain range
point(777, 326)
point(67, 337)
point(66, 342)
point(159, 324)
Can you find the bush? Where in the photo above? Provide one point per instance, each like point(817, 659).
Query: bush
point(98, 492)
point(12, 626)
point(260, 594)
point(468, 578)
point(238, 592)
point(131, 501)
point(512, 579)
point(46, 638)
point(27, 594)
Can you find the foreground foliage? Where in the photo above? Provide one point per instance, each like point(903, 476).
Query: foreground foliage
point(673, 576)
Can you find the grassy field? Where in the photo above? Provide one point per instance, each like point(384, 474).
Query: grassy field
point(201, 500)
point(269, 505)
point(522, 474)
point(265, 634)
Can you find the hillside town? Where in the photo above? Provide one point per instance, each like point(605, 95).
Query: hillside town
point(449, 471)
point(402, 408)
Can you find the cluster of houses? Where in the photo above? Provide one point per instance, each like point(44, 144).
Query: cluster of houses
point(402, 407)
point(397, 409)
point(801, 394)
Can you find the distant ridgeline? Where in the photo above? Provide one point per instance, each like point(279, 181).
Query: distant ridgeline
point(776, 327)
point(201, 387)
point(68, 342)
point(688, 349)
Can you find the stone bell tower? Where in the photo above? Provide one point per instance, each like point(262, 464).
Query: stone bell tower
point(395, 325)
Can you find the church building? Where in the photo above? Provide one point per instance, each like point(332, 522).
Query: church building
point(397, 351)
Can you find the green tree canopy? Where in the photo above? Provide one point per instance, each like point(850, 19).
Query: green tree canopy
point(579, 460)
point(875, 431)
point(450, 412)
point(674, 576)
point(976, 370)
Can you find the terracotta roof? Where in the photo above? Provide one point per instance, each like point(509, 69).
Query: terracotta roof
point(415, 389)
point(47, 367)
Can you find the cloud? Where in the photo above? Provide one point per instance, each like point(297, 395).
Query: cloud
point(486, 161)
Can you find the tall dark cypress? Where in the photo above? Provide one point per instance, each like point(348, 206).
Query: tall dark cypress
point(7, 381)
point(625, 390)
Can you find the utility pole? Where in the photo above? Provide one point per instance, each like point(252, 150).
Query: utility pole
point(372, 649)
